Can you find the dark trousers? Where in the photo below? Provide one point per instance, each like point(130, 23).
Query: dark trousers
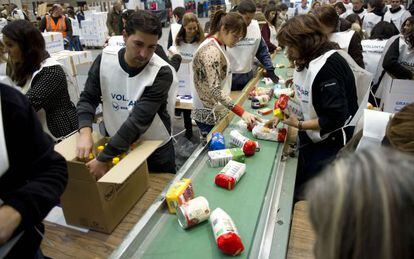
point(239, 81)
point(28, 245)
point(163, 159)
point(314, 157)
point(204, 128)
point(187, 121)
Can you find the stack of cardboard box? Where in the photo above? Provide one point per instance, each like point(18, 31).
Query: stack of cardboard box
point(94, 31)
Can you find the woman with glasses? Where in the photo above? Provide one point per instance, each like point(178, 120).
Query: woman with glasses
point(212, 75)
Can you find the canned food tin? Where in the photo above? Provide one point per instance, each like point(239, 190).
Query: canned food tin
point(193, 212)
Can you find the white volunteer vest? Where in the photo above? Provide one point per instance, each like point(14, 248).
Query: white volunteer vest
point(120, 92)
point(75, 26)
point(343, 38)
point(273, 35)
point(175, 28)
point(241, 56)
point(300, 10)
point(4, 158)
point(372, 51)
point(116, 41)
point(225, 84)
point(361, 14)
point(303, 81)
point(73, 91)
point(370, 20)
point(406, 57)
point(397, 18)
point(185, 73)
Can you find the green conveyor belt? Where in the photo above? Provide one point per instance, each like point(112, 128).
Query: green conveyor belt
point(243, 203)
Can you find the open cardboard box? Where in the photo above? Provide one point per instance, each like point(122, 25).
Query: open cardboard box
point(397, 93)
point(101, 205)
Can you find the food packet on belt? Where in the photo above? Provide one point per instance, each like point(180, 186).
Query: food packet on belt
point(265, 133)
point(225, 233)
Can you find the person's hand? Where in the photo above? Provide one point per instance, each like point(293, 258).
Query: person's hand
point(271, 74)
point(289, 82)
point(272, 123)
point(85, 143)
point(9, 220)
point(249, 118)
point(291, 120)
point(97, 168)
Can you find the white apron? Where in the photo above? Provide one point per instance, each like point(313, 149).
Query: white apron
point(397, 18)
point(73, 91)
point(120, 92)
point(370, 20)
point(361, 14)
point(225, 84)
point(303, 87)
point(116, 41)
point(372, 51)
point(273, 35)
point(343, 38)
point(300, 10)
point(175, 28)
point(380, 69)
point(4, 158)
point(185, 73)
point(241, 56)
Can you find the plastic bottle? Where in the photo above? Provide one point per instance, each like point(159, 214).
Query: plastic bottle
point(225, 233)
point(217, 141)
point(283, 105)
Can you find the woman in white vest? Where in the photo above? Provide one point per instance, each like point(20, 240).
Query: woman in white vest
point(186, 38)
point(339, 31)
point(268, 29)
point(325, 83)
point(185, 42)
point(399, 58)
point(212, 75)
point(41, 78)
point(138, 90)
point(375, 15)
point(373, 48)
point(396, 14)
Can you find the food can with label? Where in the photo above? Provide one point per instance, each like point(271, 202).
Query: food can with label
point(193, 212)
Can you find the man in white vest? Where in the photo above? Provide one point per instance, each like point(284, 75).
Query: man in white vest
point(138, 90)
point(396, 14)
point(303, 8)
point(339, 31)
point(241, 56)
point(358, 8)
point(178, 14)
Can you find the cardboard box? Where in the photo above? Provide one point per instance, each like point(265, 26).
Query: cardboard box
point(53, 41)
point(101, 205)
point(396, 94)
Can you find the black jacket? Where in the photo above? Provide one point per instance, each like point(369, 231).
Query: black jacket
point(37, 175)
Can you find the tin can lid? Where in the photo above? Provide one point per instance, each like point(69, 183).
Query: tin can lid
point(182, 219)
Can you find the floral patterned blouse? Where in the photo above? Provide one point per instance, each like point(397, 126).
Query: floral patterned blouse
point(210, 68)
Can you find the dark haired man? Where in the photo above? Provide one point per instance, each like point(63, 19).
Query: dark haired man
point(138, 91)
point(178, 14)
point(242, 54)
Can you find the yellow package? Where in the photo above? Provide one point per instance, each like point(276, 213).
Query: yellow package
point(179, 192)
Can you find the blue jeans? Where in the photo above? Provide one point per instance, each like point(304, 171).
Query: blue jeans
point(204, 128)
